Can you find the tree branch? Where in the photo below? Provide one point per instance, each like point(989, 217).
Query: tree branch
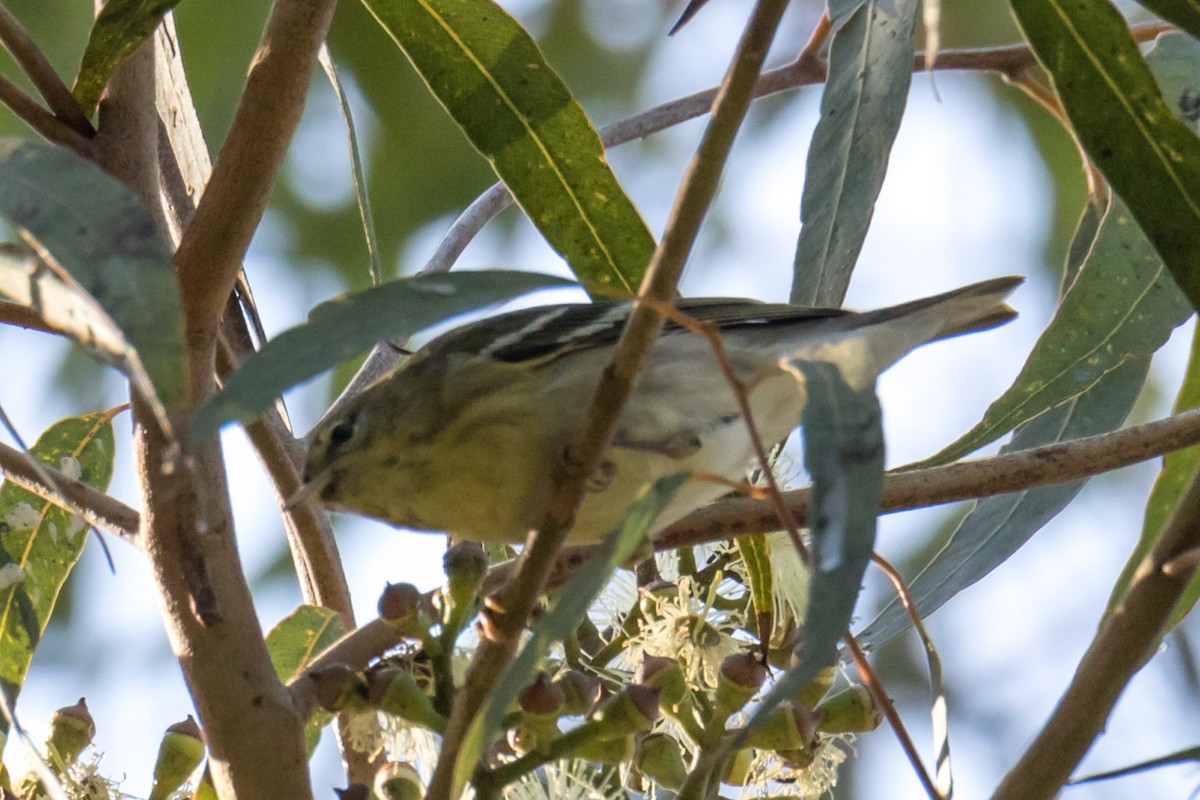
point(964, 480)
point(50, 86)
point(210, 254)
point(641, 331)
point(1121, 648)
point(23, 317)
point(42, 121)
point(95, 507)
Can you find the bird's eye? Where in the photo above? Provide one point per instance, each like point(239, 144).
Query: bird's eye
point(342, 432)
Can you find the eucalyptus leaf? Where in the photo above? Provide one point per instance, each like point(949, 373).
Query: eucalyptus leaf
point(561, 621)
point(40, 542)
point(102, 275)
point(843, 452)
point(348, 326)
point(294, 642)
point(870, 70)
point(1125, 122)
point(998, 526)
point(493, 80)
point(1169, 487)
point(121, 28)
point(1123, 305)
point(1184, 13)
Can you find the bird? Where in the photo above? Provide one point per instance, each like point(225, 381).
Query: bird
point(465, 437)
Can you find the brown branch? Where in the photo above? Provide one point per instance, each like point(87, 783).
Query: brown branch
point(964, 480)
point(641, 331)
point(210, 255)
point(1121, 648)
point(255, 739)
point(34, 64)
point(24, 317)
point(42, 121)
point(95, 507)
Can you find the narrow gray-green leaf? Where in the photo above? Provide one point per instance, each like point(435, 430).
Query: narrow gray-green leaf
point(1123, 305)
point(1119, 114)
point(348, 326)
point(870, 69)
point(1177, 471)
point(843, 451)
point(41, 542)
point(492, 79)
point(998, 526)
point(102, 275)
point(562, 620)
point(121, 28)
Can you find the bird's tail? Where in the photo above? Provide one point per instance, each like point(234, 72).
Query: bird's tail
point(865, 344)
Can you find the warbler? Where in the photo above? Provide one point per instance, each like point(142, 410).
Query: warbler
point(466, 435)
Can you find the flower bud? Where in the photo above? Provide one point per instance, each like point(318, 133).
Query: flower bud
point(850, 711)
point(542, 697)
point(71, 729)
point(737, 771)
point(580, 691)
point(396, 780)
point(394, 691)
point(660, 758)
point(465, 564)
point(337, 687)
point(633, 710)
point(179, 753)
point(606, 751)
point(811, 694)
point(401, 606)
point(790, 726)
point(666, 675)
point(740, 679)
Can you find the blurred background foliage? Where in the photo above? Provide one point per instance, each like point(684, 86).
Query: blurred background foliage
point(421, 170)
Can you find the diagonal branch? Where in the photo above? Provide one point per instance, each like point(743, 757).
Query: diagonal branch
point(210, 255)
point(1121, 648)
point(36, 66)
point(95, 507)
point(642, 330)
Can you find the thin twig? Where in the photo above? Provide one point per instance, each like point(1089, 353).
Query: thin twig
point(50, 86)
point(964, 480)
point(95, 507)
point(42, 121)
point(641, 331)
point(1122, 647)
point(884, 703)
point(210, 255)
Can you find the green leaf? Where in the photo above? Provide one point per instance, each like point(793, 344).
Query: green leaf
point(1177, 471)
point(347, 326)
point(843, 451)
point(756, 556)
point(492, 79)
point(1121, 306)
point(1184, 13)
point(102, 275)
point(300, 636)
point(870, 69)
point(294, 642)
point(1127, 128)
point(121, 27)
point(998, 526)
point(562, 620)
point(40, 542)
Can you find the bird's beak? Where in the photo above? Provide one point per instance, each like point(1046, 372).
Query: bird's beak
point(308, 490)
